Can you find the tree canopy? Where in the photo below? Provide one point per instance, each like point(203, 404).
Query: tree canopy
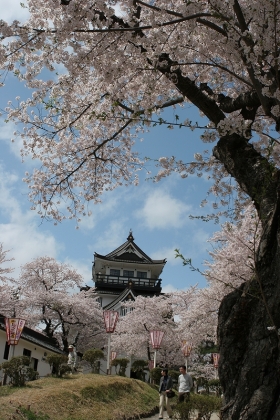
point(50, 297)
point(112, 67)
point(101, 72)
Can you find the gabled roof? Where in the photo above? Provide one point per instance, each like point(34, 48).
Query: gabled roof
point(127, 294)
point(129, 252)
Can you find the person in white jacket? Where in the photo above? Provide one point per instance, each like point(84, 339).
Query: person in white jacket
point(72, 358)
point(185, 384)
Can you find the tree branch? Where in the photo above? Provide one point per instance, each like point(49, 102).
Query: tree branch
point(212, 26)
point(255, 175)
point(245, 100)
point(188, 88)
point(158, 9)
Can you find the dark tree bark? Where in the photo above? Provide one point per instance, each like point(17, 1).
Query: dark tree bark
point(249, 318)
point(249, 367)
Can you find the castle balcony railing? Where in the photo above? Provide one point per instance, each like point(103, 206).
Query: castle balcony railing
point(121, 282)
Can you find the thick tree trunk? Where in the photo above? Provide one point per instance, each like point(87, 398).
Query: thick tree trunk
point(249, 367)
point(249, 352)
point(249, 318)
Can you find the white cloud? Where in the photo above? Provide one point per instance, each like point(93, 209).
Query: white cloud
point(162, 211)
point(20, 233)
point(169, 288)
point(108, 208)
point(83, 268)
point(200, 238)
point(168, 253)
point(6, 130)
point(6, 134)
point(112, 236)
point(13, 11)
point(26, 243)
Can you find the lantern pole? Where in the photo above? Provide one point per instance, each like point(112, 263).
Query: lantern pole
point(186, 349)
point(110, 320)
point(216, 358)
point(108, 355)
point(14, 327)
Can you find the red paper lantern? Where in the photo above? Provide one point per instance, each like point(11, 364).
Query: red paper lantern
point(186, 348)
point(110, 319)
point(14, 327)
point(156, 338)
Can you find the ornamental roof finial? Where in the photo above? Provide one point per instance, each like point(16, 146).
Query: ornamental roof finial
point(130, 236)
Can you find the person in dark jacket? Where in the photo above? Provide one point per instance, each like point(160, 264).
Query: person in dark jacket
point(165, 385)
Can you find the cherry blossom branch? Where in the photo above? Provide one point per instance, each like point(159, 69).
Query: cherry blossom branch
point(124, 29)
point(93, 153)
point(188, 88)
point(22, 45)
point(273, 139)
point(213, 26)
point(158, 9)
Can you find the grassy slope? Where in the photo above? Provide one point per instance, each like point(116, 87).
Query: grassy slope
point(80, 397)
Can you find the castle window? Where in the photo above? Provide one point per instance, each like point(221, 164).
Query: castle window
point(123, 311)
point(128, 273)
point(142, 274)
point(114, 272)
point(26, 352)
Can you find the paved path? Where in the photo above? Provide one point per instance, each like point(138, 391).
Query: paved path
point(155, 417)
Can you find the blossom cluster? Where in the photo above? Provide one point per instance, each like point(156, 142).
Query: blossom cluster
point(98, 72)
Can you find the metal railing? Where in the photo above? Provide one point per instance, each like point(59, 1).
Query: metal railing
point(122, 281)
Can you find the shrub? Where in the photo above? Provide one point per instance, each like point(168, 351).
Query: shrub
point(206, 405)
point(29, 415)
point(58, 364)
point(92, 356)
point(139, 367)
point(202, 384)
point(155, 374)
point(19, 371)
point(174, 375)
point(215, 385)
point(122, 363)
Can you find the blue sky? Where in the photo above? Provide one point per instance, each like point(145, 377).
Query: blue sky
point(157, 213)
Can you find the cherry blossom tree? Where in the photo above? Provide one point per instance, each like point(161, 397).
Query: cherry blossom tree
point(234, 255)
point(144, 315)
point(50, 296)
point(197, 317)
point(4, 270)
point(232, 263)
point(120, 69)
point(7, 296)
point(183, 316)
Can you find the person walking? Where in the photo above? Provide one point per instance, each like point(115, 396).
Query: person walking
point(185, 384)
point(72, 358)
point(165, 385)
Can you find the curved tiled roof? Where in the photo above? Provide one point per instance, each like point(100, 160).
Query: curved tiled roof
point(129, 252)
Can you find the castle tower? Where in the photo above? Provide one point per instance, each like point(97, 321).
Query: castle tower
point(124, 274)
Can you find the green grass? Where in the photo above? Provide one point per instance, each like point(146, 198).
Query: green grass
point(78, 397)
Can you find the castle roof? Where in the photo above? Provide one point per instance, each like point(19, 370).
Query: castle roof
point(127, 294)
point(129, 252)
